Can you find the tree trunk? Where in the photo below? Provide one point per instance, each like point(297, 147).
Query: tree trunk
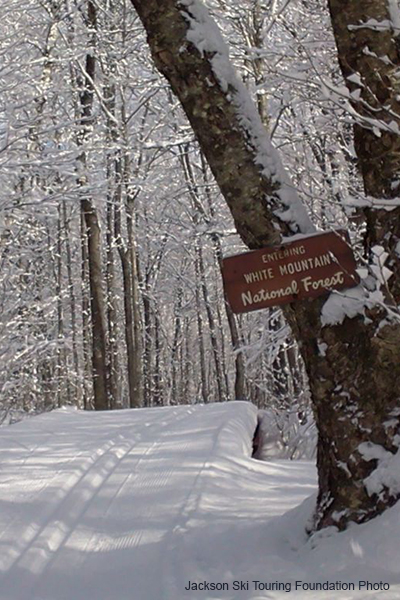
point(354, 366)
point(148, 346)
point(369, 58)
point(240, 373)
point(176, 343)
point(112, 309)
point(131, 257)
point(71, 290)
point(219, 373)
point(137, 322)
point(113, 197)
point(97, 306)
point(157, 391)
point(85, 294)
point(62, 378)
point(134, 401)
point(93, 235)
point(224, 365)
point(203, 367)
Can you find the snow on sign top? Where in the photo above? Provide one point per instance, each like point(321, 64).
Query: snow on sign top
point(306, 268)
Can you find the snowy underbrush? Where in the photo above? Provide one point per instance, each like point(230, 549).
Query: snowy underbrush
point(11, 415)
point(286, 434)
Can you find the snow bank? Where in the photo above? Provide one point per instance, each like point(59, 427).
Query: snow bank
point(143, 504)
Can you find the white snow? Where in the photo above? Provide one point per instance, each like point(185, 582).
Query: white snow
point(355, 78)
point(378, 268)
point(352, 302)
point(388, 204)
point(387, 473)
point(373, 24)
point(132, 505)
point(394, 13)
point(339, 305)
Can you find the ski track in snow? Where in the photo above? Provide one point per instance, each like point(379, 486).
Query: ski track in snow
point(134, 504)
point(33, 549)
point(115, 483)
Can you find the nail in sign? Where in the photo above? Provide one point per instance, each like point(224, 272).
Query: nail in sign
point(306, 268)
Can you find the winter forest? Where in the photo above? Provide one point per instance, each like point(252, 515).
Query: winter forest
point(136, 154)
point(112, 225)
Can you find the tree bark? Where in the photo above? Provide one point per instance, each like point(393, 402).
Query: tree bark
point(134, 400)
point(61, 374)
point(369, 57)
point(71, 291)
point(112, 306)
point(137, 319)
point(222, 392)
point(203, 367)
point(93, 235)
point(157, 388)
point(353, 367)
point(97, 306)
point(113, 198)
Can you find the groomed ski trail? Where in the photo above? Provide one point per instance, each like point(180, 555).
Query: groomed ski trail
point(113, 505)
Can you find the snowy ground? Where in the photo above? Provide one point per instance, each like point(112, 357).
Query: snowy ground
point(134, 505)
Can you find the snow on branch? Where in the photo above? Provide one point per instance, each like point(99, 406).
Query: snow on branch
point(394, 14)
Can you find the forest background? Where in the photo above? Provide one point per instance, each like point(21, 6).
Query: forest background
point(113, 229)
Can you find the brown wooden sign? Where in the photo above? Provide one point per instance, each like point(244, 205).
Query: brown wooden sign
point(306, 268)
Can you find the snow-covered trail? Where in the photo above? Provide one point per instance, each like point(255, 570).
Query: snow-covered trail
point(134, 505)
point(105, 503)
point(89, 500)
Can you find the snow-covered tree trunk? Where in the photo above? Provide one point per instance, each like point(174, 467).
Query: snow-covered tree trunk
point(112, 305)
point(205, 86)
point(137, 376)
point(351, 350)
point(367, 36)
point(127, 277)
